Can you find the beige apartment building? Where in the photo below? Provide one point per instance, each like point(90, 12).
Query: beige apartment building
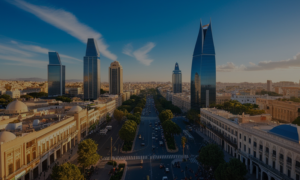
point(280, 110)
point(182, 100)
point(29, 143)
point(269, 150)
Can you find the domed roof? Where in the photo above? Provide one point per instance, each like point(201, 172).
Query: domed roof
point(75, 109)
point(287, 131)
point(16, 107)
point(6, 136)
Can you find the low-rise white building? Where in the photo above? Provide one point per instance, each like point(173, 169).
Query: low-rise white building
point(270, 151)
point(13, 94)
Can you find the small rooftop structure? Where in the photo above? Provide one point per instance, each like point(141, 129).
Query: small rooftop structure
point(74, 109)
point(287, 131)
point(16, 107)
point(6, 136)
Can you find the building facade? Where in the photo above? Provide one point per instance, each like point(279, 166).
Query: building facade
point(56, 75)
point(115, 78)
point(91, 71)
point(203, 72)
point(280, 110)
point(177, 80)
point(269, 151)
point(269, 85)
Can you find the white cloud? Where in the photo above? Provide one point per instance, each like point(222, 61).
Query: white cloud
point(262, 66)
point(24, 61)
point(67, 22)
point(229, 66)
point(128, 49)
point(8, 50)
point(140, 54)
point(271, 65)
point(41, 50)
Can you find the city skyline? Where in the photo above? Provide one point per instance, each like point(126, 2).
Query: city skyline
point(274, 57)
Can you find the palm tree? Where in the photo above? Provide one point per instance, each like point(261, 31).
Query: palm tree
point(183, 142)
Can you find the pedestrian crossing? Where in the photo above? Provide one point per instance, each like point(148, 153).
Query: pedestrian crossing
point(145, 157)
point(193, 159)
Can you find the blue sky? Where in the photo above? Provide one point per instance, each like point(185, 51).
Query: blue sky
point(254, 40)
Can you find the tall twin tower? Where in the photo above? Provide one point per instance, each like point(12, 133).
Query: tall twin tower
point(91, 74)
point(203, 72)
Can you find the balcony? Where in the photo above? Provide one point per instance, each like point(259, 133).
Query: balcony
point(260, 149)
point(297, 168)
point(220, 135)
point(270, 168)
point(267, 154)
point(281, 160)
point(289, 163)
point(274, 156)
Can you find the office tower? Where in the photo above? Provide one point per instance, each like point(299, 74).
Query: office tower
point(56, 75)
point(91, 71)
point(177, 80)
point(203, 72)
point(269, 85)
point(115, 78)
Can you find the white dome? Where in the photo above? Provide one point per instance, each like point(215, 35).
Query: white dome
point(6, 136)
point(16, 107)
point(75, 109)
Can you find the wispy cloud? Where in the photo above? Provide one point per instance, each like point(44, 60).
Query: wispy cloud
point(39, 49)
point(262, 66)
point(8, 50)
point(24, 61)
point(140, 54)
point(67, 22)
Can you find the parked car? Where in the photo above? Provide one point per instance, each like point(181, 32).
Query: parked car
point(167, 170)
point(165, 178)
point(140, 136)
point(142, 144)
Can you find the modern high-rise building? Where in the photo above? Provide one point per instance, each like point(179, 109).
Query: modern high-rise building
point(91, 71)
point(269, 85)
point(203, 72)
point(56, 75)
point(177, 80)
point(115, 78)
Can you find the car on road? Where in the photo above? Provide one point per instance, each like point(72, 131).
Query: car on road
point(140, 136)
point(161, 143)
point(167, 170)
point(165, 178)
point(142, 144)
point(150, 124)
point(153, 137)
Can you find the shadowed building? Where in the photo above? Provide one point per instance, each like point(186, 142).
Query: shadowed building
point(56, 75)
point(203, 73)
point(115, 78)
point(91, 71)
point(177, 80)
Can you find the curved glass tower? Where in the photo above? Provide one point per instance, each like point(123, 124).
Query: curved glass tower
point(56, 75)
point(177, 80)
point(91, 71)
point(203, 73)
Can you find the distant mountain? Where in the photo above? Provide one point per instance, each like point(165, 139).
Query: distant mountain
point(40, 79)
point(74, 80)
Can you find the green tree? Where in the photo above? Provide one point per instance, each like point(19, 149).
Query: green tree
point(118, 115)
point(66, 171)
point(6, 97)
point(234, 169)
point(102, 91)
point(38, 94)
point(192, 115)
point(137, 110)
point(183, 142)
point(108, 118)
point(171, 128)
point(127, 131)
point(63, 99)
point(297, 121)
point(165, 115)
point(87, 153)
point(26, 96)
point(211, 155)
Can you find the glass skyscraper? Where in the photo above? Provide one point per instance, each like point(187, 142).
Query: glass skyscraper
point(56, 75)
point(203, 73)
point(115, 78)
point(91, 71)
point(177, 80)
